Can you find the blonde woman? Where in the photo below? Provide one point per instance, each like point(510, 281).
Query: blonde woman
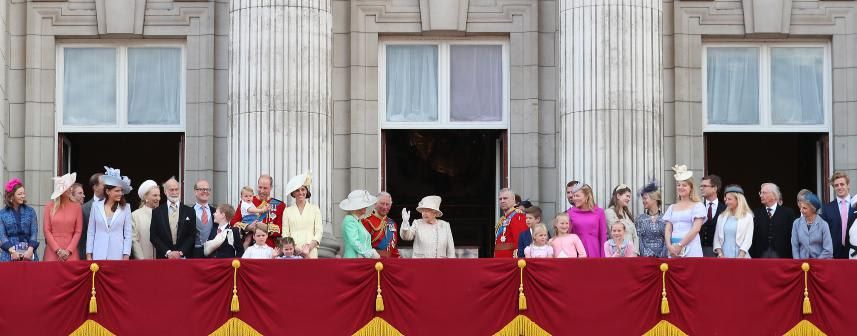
point(63, 221)
point(684, 218)
point(587, 220)
point(733, 234)
point(618, 211)
point(650, 223)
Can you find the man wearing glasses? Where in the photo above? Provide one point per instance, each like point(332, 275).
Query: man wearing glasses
point(709, 188)
point(204, 216)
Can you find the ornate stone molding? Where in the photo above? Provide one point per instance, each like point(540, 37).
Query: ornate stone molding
point(120, 16)
point(767, 16)
point(444, 14)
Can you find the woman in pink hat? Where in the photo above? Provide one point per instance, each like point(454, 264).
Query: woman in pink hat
point(63, 221)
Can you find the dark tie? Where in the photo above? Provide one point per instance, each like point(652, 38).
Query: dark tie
point(709, 210)
point(770, 214)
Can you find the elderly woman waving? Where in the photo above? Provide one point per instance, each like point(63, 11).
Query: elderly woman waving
point(358, 242)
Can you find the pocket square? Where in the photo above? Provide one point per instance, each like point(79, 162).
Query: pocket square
point(187, 218)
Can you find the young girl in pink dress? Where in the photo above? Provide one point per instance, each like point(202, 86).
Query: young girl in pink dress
point(540, 247)
point(566, 244)
point(617, 246)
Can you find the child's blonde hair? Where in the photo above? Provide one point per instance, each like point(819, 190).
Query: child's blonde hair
point(248, 189)
point(261, 226)
point(539, 227)
point(617, 223)
point(555, 221)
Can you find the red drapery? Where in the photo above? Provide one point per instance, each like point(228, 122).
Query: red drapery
point(429, 297)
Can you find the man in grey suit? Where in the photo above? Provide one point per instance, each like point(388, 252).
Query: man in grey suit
point(97, 196)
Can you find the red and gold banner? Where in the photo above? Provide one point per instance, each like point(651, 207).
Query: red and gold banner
point(429, 297)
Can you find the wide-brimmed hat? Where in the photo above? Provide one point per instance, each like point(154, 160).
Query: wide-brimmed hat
point(681, 173)
point(62, 183)
point(430, 203)
point(358, 199)
point(295, 183)
point(145, 187)
point(114, 178)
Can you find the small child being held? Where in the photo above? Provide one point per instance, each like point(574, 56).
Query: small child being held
point(566, 244)
point(259, 250)
point(286, 248)
point(249, 211)
point(540, 247)
point(617, 246)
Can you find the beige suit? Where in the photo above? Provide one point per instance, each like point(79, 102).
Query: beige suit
point(141, 222)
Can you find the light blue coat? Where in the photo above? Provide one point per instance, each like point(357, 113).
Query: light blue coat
point(109, 241)
point(811, 242)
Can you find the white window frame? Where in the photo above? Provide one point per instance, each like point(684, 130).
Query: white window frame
point(765, 114)
point(443, 81)
point(121, 124)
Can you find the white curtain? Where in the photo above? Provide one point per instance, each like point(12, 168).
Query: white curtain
point(797, 90)
point(89, 86)
point(733, 86)
point(154, 86)
point(476, 85)
point(411, 83)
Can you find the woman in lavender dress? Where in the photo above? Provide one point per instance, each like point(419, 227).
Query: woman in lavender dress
point(684, 218)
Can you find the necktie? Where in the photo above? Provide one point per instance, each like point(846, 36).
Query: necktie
point(770, 213)
point(843, 215)
point(219, 230)
point(204, 215)
point(174, 220)
point(709, 210)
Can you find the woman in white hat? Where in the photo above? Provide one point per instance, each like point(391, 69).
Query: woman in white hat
point(108, 235)
point(357, 241)
point(432, 237)
point(141, 220)
point(684, 218)
point(63, 221)
point(303, 219)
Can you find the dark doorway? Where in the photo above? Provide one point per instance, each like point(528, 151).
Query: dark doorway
point(461, 166)
point(792, 161)
point(140, 156)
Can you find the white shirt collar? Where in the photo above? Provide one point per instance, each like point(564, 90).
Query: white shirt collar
point(715, 203)
point(846, 199)
point(773, 208)
point(200, 206)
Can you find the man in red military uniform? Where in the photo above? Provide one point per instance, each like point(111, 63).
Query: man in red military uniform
point(509, 227)
point(273, 217)
point(382, 229)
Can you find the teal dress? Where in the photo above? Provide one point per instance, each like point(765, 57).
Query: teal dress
point(358, 242)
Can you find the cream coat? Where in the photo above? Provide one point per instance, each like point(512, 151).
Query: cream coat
point(743, 234)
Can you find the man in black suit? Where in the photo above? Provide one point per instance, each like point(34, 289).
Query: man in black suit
point(97, 196)
point(709, 188)
point(772, 225)
point(839, 214)
point(203, 216)
point(173, 225)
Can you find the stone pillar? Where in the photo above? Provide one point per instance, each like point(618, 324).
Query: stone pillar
point(611, 94)
point(280, 98)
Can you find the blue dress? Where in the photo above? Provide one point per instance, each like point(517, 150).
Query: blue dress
point(20, 226)
point(730, 230)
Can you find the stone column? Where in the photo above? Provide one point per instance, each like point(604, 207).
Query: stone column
point(280, 98)
point(611, 94)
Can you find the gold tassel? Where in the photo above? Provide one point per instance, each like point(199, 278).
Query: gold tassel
point(234, 306)
point(235, 327)
point(664, 328)
point(522, 299)
point(522, 325)
point(93, 305)
point(379, 300)
point(91, 328)
point(377, 327)
point(807, 308)
point(665, 305)
point(805, 328)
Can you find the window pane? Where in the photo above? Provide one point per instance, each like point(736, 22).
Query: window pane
point(89, 86)
point(154, 86)
point(476, 88)
point(797, 90)
point(733, 86)
point(411, 83)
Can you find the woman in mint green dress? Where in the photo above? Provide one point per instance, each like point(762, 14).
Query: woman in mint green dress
point(358, 241)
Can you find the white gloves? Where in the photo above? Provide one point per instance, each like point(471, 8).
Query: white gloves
point(406, 216)
point(229, 238)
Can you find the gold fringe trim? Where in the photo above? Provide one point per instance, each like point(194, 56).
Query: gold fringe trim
point(665, 305)
point(234, 306)
point(805, 328)
point(91, 328)
point(235, 327)
point(379, 300)
point(378, 327)
point(807, 308)
point(93, 305)
point(664, 328)
point(522, 326)
point(522, 299)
